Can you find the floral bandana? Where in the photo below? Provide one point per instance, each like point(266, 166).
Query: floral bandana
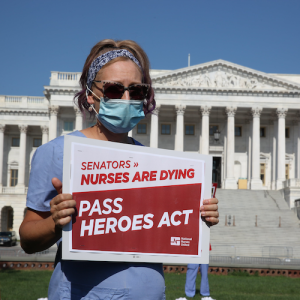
point(103, 59)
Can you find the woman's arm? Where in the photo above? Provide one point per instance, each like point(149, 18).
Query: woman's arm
point(209, 211)
point(40, 230)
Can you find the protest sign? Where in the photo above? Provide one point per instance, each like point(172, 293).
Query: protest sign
point(135, 203)
point(214, 189)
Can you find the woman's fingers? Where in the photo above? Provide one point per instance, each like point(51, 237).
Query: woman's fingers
point(211, 221)
point(62, 207)
point(209, 211)
point(57, 185)
point(211, 201)
point(60, 198)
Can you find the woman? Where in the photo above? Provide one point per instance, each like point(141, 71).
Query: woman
point(116, 86)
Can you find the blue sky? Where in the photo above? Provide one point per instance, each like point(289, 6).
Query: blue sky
point(42, 36)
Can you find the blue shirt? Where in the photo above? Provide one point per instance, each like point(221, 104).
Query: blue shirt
point(87, 280)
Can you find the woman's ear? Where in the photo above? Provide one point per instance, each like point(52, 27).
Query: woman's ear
point(90, 99)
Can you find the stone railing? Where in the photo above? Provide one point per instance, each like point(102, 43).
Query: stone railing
point(67, 76)
point(13, 99)
point(14, 190)
point(22, 101)
point(65, 79)
point(291, 183)
point(35, 99)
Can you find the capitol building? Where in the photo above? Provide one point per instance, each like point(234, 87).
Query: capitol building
point(247, 120)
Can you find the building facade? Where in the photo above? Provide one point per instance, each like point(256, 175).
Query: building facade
point(249, 121)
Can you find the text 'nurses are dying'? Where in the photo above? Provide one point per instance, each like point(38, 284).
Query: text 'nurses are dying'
point(119, 174)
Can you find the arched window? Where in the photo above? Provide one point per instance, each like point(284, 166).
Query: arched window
point(7, 218)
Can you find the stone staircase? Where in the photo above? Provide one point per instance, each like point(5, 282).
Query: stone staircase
point(277, 233)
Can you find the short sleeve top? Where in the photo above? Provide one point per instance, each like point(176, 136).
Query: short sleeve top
point(84, 279)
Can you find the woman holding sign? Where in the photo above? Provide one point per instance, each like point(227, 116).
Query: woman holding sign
point(116, 87)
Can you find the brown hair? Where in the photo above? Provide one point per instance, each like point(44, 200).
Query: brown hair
point(108, 45)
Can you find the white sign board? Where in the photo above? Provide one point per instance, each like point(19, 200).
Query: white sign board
point(135, 203)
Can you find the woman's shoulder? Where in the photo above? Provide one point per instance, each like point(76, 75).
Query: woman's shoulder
point(57, 144)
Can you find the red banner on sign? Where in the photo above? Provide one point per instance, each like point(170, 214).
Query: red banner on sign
point(138, 220)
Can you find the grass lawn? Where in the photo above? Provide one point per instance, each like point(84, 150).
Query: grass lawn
point(31, 285)
point(24, 285)
point(237, 286)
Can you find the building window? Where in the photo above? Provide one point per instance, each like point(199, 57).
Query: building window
point(15, 142)
point(287, 132)
point(238, 130)
point(13, 177)
point(142, 128)
point(68, 125)
point(37, 142)
point(262, 131)
point(287, 172)
point(213, 129)
point(165, 128)
point(189, 129)
point(262, 173)
point(10, 218)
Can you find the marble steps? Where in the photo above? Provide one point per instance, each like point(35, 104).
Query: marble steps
point(247, 198)
point(245, 239)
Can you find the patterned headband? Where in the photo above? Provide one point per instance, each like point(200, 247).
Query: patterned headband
point(103, 59)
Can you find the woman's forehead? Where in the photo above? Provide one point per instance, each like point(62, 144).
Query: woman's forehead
point(119, 71)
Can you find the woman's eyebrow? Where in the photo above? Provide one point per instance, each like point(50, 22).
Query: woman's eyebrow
point(119, 82)
point(99, 89)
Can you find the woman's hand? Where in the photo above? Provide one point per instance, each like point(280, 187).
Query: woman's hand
point(40, 230)
point(62, 206)
point(209, 211)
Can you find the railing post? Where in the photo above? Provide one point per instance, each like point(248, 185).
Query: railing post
point(279, 222)
point(233, 221)
point(225, 220)
point(256, 221)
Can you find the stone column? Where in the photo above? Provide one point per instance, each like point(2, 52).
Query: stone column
point(274, 154)
point(200, 135)
point(281, 113)
point(154, 128)
point(205, 111)
point(78, 121)
point(45, 132)
point(249, 152)
point(53, 122)
point(297, 173)
point(2, 128)
point(224, 161)
point(230, 182)
point(22, 156)
point(179, 137)
point(256, 183)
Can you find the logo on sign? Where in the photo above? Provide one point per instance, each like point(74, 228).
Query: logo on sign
point(175, 241)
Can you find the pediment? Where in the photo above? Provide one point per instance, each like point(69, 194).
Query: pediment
point(221, 74)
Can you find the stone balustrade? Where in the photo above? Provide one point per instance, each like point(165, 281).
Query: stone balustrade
point(14, 190)
point(13, 99)
point(65, 79)
point(292, 183)
point(22, 101)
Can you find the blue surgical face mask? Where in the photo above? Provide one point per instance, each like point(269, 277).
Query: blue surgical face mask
point(118, 115)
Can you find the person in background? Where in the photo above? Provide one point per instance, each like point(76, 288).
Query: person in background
point(191, 275)
point(116, 88)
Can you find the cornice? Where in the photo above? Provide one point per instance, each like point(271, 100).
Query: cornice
point(165, 89)
point(229, 67)
point(60, 90)
point(19, 112)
